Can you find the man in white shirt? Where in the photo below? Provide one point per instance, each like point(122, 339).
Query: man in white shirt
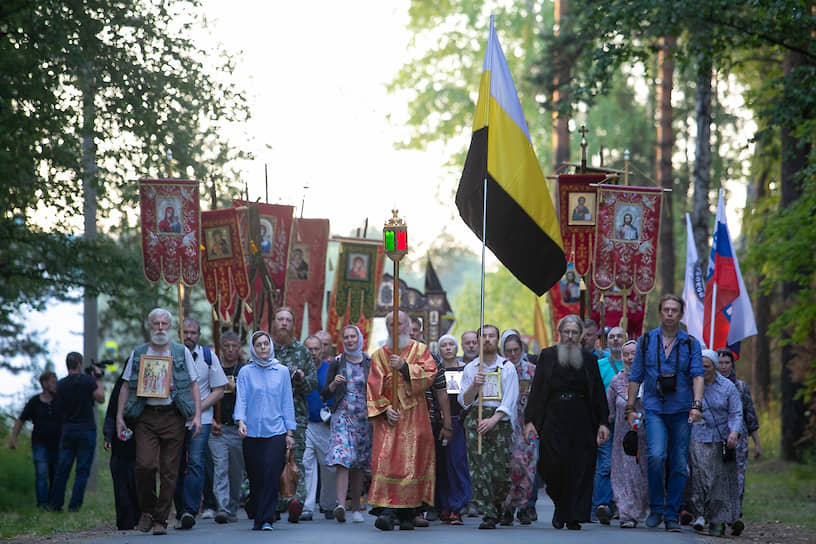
point(159, 421)
point(211, 382)
point(489, 475)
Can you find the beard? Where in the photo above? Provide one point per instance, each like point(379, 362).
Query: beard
point(159, 338)
point(402, 341)
point(282, 337)
point(570, 355)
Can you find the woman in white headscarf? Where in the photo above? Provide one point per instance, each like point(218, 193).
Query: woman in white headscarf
point(349, 450)
point(266, 428)
point(453, 490)
point(523, 457)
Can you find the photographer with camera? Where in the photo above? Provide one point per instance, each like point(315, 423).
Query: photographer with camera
point(77, 393)
point(668, 364)
point(712, 454)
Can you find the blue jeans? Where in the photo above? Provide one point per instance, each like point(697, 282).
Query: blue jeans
point(190, 482)
point(76, 444)
point(667, 436)
point(602, 490)
point(45, 467)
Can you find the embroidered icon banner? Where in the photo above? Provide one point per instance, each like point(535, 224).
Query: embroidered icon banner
point(223, 264)
point(627, 235)
point(170, 229)
point(577, 203)
point(306, 271)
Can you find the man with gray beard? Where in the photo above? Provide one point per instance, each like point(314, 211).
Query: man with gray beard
point(402, 453)
point(567, 409)
point(160, 420)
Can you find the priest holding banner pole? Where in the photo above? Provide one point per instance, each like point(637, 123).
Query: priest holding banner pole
point(403, 469)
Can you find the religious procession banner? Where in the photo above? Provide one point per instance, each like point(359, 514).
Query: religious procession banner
point(170, 229)
point(223, 264)
point(306, 273)
point(627, 235)
point(606, 312)
point(359, 268)
point(577, 202)
point(270, 231)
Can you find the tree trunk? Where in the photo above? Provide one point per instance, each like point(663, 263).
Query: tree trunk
point(89, 184)
point(761, 374)
point(794, 159)
point(665, 144)
point(561, 137)
point(700, 212)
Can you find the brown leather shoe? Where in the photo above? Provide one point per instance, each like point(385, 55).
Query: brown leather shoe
point(159, 528)
point(420, 521)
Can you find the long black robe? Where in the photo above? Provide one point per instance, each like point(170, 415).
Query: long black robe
point(567, 429)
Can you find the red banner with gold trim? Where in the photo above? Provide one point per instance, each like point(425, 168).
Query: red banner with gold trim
point(271, 243)
point(306, 273)
point(170, 229)
point(223, 264)
point(627, 237)
point(576, 215)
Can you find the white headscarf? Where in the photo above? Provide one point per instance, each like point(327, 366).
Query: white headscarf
point(506, 334)
point(449, 337)
point(357, 351)
point(711, 355)
point(253, 356)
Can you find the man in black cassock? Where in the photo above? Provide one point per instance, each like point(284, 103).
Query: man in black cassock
point(567, 408)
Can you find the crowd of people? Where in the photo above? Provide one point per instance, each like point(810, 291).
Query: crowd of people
point(649, 431)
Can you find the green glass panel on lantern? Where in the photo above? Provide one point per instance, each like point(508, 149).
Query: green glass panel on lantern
point(389, 241)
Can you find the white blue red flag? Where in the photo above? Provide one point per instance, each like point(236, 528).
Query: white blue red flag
point(693, 288)
point(728, 316)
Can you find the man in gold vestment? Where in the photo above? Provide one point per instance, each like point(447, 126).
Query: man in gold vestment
point(402, 457)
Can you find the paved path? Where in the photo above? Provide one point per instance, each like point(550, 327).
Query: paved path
point(331, 532)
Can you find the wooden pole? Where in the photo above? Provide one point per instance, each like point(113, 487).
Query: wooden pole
point(395, 337)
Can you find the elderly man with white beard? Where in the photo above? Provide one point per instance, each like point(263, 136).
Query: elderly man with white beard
point(567, 408)
point(159, 421)
point(402, 454)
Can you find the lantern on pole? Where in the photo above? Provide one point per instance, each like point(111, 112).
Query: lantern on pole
point(395, 241)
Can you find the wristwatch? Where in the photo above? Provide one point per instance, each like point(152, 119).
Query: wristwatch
point(697, 405)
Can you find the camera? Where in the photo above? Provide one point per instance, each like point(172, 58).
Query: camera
point(95, 370)
point(667, 383)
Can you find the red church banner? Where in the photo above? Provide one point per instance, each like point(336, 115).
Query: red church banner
point(306, 273)
point(576, 215)
point(272, 244)
point(627, 236)
point(223, 265)
point(170, 229)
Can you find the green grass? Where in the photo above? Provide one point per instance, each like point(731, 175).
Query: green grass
point(18, 512)
point(776, 491)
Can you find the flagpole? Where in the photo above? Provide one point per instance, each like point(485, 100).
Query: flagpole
point(713, 316)
point(489, 67)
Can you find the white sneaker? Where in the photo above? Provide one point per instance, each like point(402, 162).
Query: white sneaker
point(699, 523)
point(207, 514)
point(357, 517)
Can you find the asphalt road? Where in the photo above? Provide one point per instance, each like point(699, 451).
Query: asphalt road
point(330, 531)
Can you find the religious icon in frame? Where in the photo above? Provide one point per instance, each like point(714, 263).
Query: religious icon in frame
point(453, 378)
point(582, 208)
point(154, 376)
point(491, 389)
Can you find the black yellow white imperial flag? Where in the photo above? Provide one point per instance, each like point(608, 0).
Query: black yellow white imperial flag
point(522, 227)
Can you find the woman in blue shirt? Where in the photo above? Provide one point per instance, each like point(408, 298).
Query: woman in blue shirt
point(267, 428)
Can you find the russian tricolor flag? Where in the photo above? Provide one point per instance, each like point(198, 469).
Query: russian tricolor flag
point(728, 315)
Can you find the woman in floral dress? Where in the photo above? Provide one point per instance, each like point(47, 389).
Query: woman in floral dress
point(350, 442)
point(524, 455)
point(628, 474)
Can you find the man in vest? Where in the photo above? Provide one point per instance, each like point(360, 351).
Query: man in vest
point(160, 418)
point(211, 382)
